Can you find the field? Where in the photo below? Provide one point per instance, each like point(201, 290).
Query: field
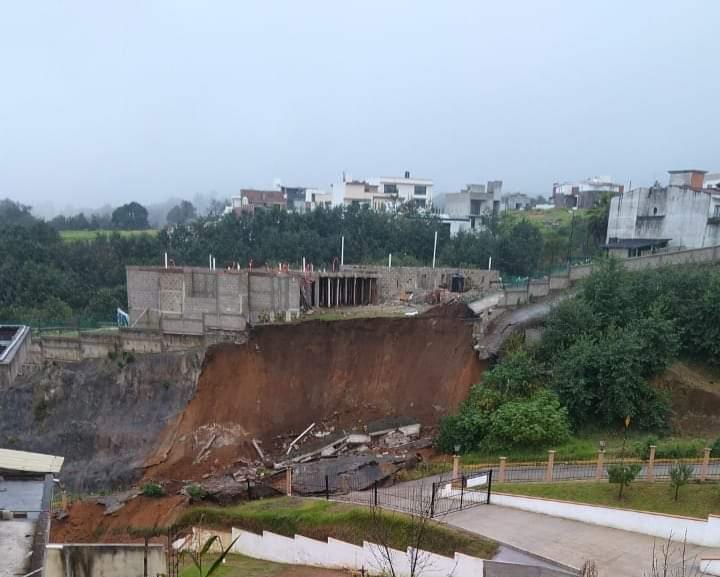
point(319, 519)
point(78, 235)
point(695, 500)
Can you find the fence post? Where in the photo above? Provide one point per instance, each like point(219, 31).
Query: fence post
point(432, 500)
point(375, 487)
point(487, 500)
point(651, 465)
point(503, 464)
point(288, 482)
point(456, 466)
point(550, 465)
point(249, 489)
point(462, 491)
point(327, 488)
point(600, 465)
point(705, 464)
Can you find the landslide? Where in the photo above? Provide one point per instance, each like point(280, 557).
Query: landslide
point(289, 376)
point(102, 415)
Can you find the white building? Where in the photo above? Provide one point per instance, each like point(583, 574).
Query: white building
point(583, 193)
point(683, 214)
point(385, 192)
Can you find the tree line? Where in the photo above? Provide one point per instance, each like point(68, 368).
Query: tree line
point(45, 278)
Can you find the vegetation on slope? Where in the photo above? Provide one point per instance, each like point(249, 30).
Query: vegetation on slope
point(322, 519)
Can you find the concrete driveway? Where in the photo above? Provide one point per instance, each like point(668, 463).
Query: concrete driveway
point(569, 543)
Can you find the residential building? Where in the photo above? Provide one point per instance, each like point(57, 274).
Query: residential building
point(683, 214)
point(302, 199)
point(712, 180)
point(386, 192)
point(251, 200)
point(584, 193)
point(516, 201)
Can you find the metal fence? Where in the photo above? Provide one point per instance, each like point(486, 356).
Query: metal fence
point(431, 497)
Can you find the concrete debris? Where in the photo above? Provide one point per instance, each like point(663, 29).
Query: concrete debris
point(258, 449)
point(299, 438)
point(205, 448)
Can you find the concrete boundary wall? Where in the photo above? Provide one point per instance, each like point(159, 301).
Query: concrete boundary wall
point(103, 560)
point(335, 554)
point(709, 566)
point(701, 532)
point(15, 356)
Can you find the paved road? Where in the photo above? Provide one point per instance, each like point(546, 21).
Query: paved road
point(570, 543)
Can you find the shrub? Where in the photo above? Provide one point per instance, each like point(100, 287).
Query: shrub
point(517, 375)
point(715, 448)
point(679, 476)
point(642, 449)
point(536, 422)
point(196, 492)
point(680, 449)
point(153, 490)
point(623, 475)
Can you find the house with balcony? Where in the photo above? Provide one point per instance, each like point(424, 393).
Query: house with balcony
point(684, 214)
point(386, 192)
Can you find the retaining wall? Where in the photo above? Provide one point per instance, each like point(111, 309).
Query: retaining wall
point(698, 531)
point(91, 560)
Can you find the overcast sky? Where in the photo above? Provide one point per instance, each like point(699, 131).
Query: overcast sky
point(140, 100)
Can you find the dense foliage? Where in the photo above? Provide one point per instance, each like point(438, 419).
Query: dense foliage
point(598, 355)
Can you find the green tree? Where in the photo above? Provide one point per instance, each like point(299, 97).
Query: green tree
point(680, 475)
point(520, 247)
point(131, 216)
point(181, 213)
point(623, 475)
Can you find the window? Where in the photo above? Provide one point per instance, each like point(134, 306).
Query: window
point(475, 206)
point(390, 188)
point(420, 202)
point(654, 211)
point(717, 211)
point(420, 190)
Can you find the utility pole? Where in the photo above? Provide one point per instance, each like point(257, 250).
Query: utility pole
point(434, 249)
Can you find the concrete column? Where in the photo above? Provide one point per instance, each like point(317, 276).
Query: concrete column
point(456, 466)
point(705, 464)
point(288, 482)
point(600, 465)
point(503, 464)
point(550, 465)
point(651, 465)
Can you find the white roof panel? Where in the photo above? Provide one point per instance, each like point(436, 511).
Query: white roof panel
point(29, 462)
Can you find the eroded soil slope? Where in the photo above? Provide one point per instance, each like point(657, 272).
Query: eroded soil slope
point(104, 416)
point(286, 377)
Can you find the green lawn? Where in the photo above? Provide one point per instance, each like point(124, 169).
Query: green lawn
point(237, 566)
point(320, 519)
point(696, 500)
point(77, 235)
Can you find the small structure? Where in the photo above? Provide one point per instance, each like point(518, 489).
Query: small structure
point(26, 491)
point(14, 346)
point(584, 193)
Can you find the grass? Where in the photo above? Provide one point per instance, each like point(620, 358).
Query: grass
point(237, 566)
point(319, 519)
point(79, 235)
point(696, 499)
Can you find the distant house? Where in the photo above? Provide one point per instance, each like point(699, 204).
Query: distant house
point(386, 192)
point(251, 200)
point(683, 214)
point(584, 193)
point(302, 199)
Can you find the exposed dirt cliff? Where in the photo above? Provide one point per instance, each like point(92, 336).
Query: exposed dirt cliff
point(103, 416)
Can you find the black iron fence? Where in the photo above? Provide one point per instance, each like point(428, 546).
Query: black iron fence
point(430, 497)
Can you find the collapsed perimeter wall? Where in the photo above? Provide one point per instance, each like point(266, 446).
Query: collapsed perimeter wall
point(286, 377)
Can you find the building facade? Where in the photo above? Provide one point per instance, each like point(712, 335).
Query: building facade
point(385, 192)
point(683, 214)
point(250, 200)
point(584, 193)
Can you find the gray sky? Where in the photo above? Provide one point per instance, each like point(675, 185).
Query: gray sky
point(139, 100)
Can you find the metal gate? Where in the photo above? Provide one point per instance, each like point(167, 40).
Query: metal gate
point(461, 493)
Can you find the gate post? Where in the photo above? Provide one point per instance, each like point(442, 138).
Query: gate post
point(375, 487)
point(503, 464)
point(456, 467)
point(462, 490)
point(550, 465)
point(288, 482)
point(651, 465)
point(489, 489)
point(327, 488)
point(705, 464)
point(600, 465)
point(432, 500)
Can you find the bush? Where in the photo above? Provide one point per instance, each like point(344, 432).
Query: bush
point(518, 375)
point(642, 449)
point(536, 422)
point(153, 490)
point(196, 492)
point(715, 448)
point(679, 476)
point(623, 475)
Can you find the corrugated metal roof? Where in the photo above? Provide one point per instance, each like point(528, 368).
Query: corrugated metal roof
point(29, 462)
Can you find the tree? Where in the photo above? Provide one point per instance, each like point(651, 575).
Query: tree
point(15, 214)
point(131, 216)
point(623, 475)
point(181, 213)
point(680, 475)
point(520, 247)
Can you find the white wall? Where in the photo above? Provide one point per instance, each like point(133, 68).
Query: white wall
point(340, 555)
point(698, 531)
point(109, 560)
point(710, 566)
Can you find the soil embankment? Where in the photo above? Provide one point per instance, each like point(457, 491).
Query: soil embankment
point(287, 377)
point(102, 415)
